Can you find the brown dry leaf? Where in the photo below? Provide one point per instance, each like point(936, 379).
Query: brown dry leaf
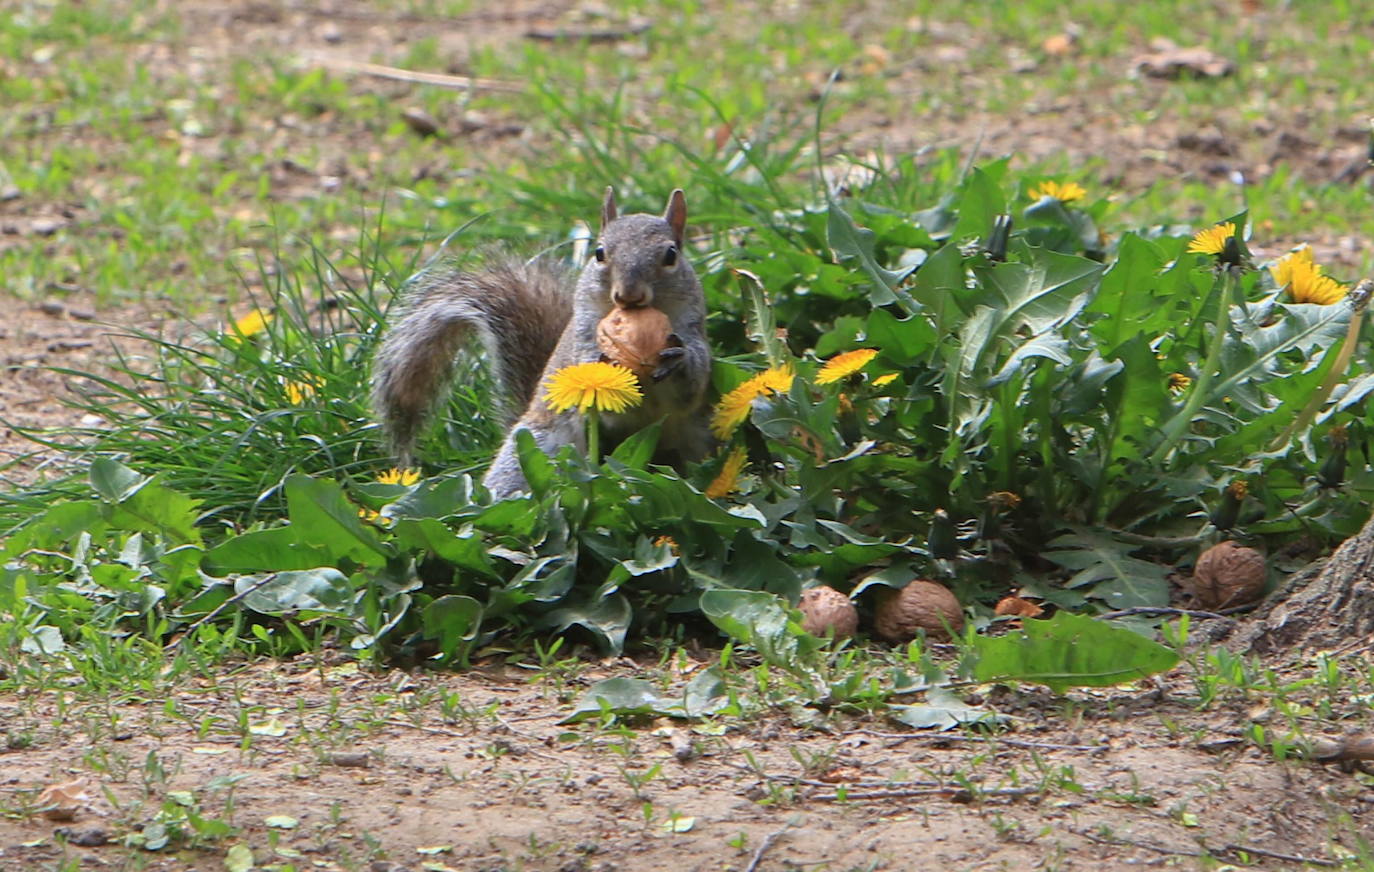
point(1060, 45)
point(841, 774)
point(1021, 608)
point(810, 443)
point(61, 802)
point(1169, 61)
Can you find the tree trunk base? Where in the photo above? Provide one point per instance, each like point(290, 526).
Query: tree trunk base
point(1326, 606)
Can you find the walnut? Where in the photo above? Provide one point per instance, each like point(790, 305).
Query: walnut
point(921, 605)
point(634, 338)
point(824, 608)
point(1228, 574)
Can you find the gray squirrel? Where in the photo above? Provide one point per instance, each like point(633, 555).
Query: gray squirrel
point(532, 319)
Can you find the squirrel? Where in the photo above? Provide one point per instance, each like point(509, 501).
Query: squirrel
point(534, 318)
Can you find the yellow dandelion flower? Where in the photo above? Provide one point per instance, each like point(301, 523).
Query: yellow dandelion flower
point(671, 543)
point(1213, 239)
point(1178, 381)
point(253, 323)
point(728, 477)
point(297, 392)
point(605, 387)
point(1283, 268)
point(405, 477)
point(733, 408)
point(844, 365)
point(1304, 280)
point(1065, 192)
point(370, 515)
point(776, 380)
point(885, 379)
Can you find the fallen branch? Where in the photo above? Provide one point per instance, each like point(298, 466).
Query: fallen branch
point(1229, 848)
point(441, 80)
point(937, 738)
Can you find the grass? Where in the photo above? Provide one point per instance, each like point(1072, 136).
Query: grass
point(181, 168)
point(220, 170)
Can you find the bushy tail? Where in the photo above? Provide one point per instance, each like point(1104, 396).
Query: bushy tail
point(516, 311)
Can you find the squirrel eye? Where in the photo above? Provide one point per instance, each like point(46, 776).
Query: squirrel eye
point(670, 256)
point(600, 254)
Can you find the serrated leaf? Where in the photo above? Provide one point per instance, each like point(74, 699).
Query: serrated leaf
point(321, 513)
point(847, 239)
point(1069, 650)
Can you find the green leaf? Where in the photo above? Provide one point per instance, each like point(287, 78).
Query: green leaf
point(467, 552)
point(1069, 651)
point(638, 448)
point(1042, 293)
point(627, 697)
point(764, 622)
point(706, 693)
point(942, 711)
point(849, 240)
point(272, 550)
point(534, 463)
point(114, 481)
point(608, 619)
point(1121, 580)
point(902, 342)
point(154, 508)
point(322, 590)
point(433, 498)
point(321, 513)
point(454, 621)
point(239, 858)
point(979, 203)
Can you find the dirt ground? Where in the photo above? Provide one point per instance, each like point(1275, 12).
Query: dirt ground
point(474, 772)
point(322, 765)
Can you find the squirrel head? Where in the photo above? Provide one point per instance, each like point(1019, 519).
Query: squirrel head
point(640, 253)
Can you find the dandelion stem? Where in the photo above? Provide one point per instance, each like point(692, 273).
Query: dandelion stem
point(1359, 299)
point(1178, 425)
point(593, 434)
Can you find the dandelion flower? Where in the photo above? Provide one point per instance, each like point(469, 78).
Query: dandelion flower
point(601, 386)
point(1065, 192)
point(253, 323)
point(1304, 280)
point(1178, 381)
point(728, 477)
point(297, 392)
point(733, 408)
point(1213, 239)
point(843, 365)
point(405, 477)
point(671, 543)
point(370, 515)
point(885, 379)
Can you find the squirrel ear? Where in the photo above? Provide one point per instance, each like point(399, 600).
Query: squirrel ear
point(608, 207)
point(676, 214)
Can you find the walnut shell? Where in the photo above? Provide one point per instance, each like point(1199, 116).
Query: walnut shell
point(921, 605)
point(824, 608)
point(1017, 607)
point(634, 338)
point(1228, 574)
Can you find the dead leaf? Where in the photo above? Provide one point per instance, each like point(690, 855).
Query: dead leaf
point(1169, 61)
point(1060, 45)
point(1021, 608)
point(61, 802)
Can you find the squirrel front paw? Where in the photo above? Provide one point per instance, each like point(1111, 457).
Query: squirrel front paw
point(670, 361)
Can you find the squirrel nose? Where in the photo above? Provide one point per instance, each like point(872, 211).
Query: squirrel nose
point(631, 296)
